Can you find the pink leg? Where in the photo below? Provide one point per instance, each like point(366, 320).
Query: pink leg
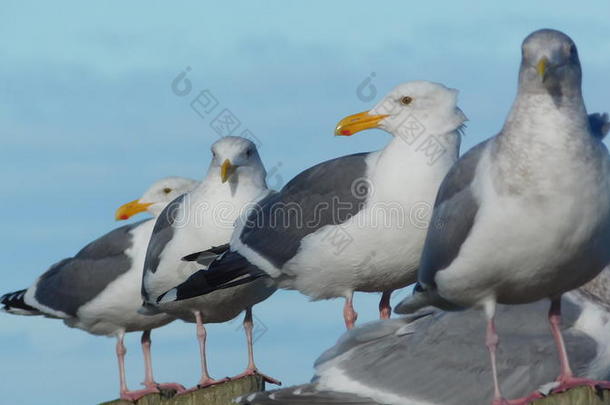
point(251, 369)
point(124, 391)
point(205, 380)
point(555, 321)
point(566, 379)
point(385, 310)
point(492, 340)
point(349, 315)
point(149, 381)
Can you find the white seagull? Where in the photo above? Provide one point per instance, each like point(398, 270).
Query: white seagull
point(433, 358)
point(355, 223)
point(200, 220)
point(526, 214)
point(98, 290)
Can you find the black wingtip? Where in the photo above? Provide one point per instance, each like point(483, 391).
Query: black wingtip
point(14, 303)
point(192, 257)
point(214, 250)
point(230, 271)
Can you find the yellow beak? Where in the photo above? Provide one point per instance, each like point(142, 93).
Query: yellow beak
point(226, 170)
point(130, 209)
point(541, 67)
point(358, 122)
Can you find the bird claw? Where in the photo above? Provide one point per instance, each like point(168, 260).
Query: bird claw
point(137, 394)
point(566, 383)
point(171, 387)
point(254, 371)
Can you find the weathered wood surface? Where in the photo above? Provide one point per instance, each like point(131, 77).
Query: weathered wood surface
point(223, 394)
point(577, 396)
point(220, 394)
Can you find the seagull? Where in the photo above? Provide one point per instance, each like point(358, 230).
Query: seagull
point(355, 223)
point(98, 290)
point(432, 358)
point(524, 215)
point(203, 219)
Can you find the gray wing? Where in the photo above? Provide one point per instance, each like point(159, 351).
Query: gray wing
point(326, 194)
point(454, 212)
point(73, 282)
point(162, 233)
point(600, 125)
point(442, 359)
point(303, 395)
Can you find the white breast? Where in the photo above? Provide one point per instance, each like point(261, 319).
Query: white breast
point(380, 247)
point(530, 244)
point(115, 308)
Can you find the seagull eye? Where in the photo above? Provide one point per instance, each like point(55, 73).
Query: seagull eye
point(406, 100)
point(248, 153)
point(167, 190)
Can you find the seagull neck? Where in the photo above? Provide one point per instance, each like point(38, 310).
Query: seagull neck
point(240, 181)
point(541, 115)
point(426, 147)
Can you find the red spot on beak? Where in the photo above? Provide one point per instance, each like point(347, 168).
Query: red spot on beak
point(124, 216)
point(345, 132)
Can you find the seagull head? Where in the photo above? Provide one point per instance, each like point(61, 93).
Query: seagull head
point(415, 106)
point(550, 63)
point(156, 198)
point(233, 158)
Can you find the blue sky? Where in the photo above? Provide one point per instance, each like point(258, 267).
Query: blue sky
point(88, 120)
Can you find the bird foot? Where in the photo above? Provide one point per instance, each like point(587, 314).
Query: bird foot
point(167, 386)
point(207, 382)
point(254, 371)
point(137, 394)
point(566, 383)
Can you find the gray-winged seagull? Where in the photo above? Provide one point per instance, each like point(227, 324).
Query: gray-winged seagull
point(435, 359)
point(200, 220)
point(526, 214)
point(355, 223)
point(98, 290)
